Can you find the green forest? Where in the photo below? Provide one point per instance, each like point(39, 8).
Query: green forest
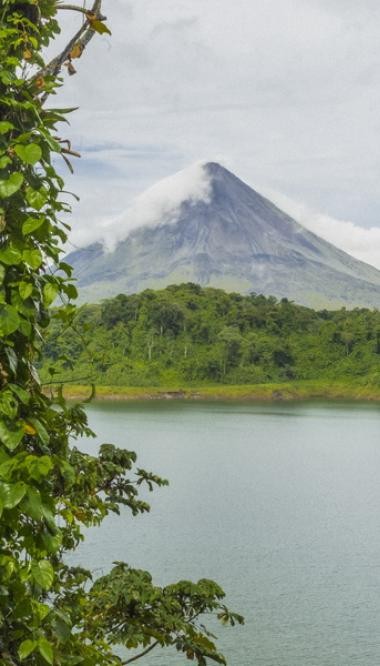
point(186, 335)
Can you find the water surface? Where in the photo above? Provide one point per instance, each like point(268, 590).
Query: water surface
point(278, 502)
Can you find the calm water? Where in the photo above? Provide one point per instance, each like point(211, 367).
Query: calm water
point(278, 503)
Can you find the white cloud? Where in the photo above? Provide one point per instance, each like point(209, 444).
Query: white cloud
point(362, 243)
point(287, 90)
point(159, 204)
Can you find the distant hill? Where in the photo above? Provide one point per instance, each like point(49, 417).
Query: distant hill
point(224, 235)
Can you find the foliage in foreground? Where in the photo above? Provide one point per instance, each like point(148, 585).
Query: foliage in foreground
point(186, 335)
point(50, 612)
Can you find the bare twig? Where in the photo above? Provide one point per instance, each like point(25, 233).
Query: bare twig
point(83, 10)
point(142, 654)
point(80, 39)
point(74, 153)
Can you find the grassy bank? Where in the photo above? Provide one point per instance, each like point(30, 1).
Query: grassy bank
point(297, 390)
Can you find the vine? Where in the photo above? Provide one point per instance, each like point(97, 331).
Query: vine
point(50, 612)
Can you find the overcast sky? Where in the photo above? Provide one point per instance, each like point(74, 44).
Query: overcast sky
point(285, 93)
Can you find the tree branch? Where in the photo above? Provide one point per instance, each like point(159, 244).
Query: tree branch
point(77, 8)
point(80, 39)
point(142, 654)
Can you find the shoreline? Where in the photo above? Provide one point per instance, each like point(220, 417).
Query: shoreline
point(287, 391)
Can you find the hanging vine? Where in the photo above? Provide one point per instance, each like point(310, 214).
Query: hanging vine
point(51, 613)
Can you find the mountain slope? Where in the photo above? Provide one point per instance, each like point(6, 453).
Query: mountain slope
point(229, 237)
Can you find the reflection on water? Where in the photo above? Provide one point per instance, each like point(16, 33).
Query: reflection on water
point(278, 503)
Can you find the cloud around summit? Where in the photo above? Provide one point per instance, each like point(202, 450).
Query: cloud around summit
point(286, 92)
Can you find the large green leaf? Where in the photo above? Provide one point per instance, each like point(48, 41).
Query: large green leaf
point(32, 504)
point(8, 404)
point(33, 258)
point(26, 648)
point(52, 543)
point(5, 127)
point(10, 256)
point(12, 357)
point(36, 198)
point(25, 290)
point(11, 436)
point(11, 185)
point(4, 161)
point(38, 467)
point(62, 625)
point(9, 320)
point(22, 395)
point(41, 430)
point(43, 574)
point(50, 293)
point(11, 494)
point(29, 154)
point(46, 650)
point(31, 224)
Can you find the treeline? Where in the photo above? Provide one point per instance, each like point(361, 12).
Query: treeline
point(187, 334)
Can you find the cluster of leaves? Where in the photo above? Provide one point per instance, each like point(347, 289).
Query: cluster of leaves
point(51, 613)
point(185, 334)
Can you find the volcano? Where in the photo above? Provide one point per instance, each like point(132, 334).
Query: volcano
point(207, 226)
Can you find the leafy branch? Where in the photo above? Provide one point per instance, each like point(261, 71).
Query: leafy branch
point(49, 490)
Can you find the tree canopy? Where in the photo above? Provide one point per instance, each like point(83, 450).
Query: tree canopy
point(185, 335)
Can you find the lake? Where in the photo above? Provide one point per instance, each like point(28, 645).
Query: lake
point(279, 503)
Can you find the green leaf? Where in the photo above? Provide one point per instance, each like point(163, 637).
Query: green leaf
point(10, 256)
point(46, 650)
point(67, 472)
point(53, 145)
point(9, 320)
point(32, 257)
point(52, 543)
point(12, 358)
point(49, 520)
point(31, 224)
point(26, 329)
point(62, 625)
point(36, 198)
point(41, 610)
point(11, 185)
point(50, 293)
point(38, 467)
point(29, 154)
point(41, 431)
point(5, 127)
point(71, 291)
point(26, 648)
point(63, 266)
point(4, 161)
point(22, 395)
point(11, 494)
point(63, 111)
point(25, 290)
point(43, 574)
point(8, 404)
point(32, 504)
point(10, 436)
